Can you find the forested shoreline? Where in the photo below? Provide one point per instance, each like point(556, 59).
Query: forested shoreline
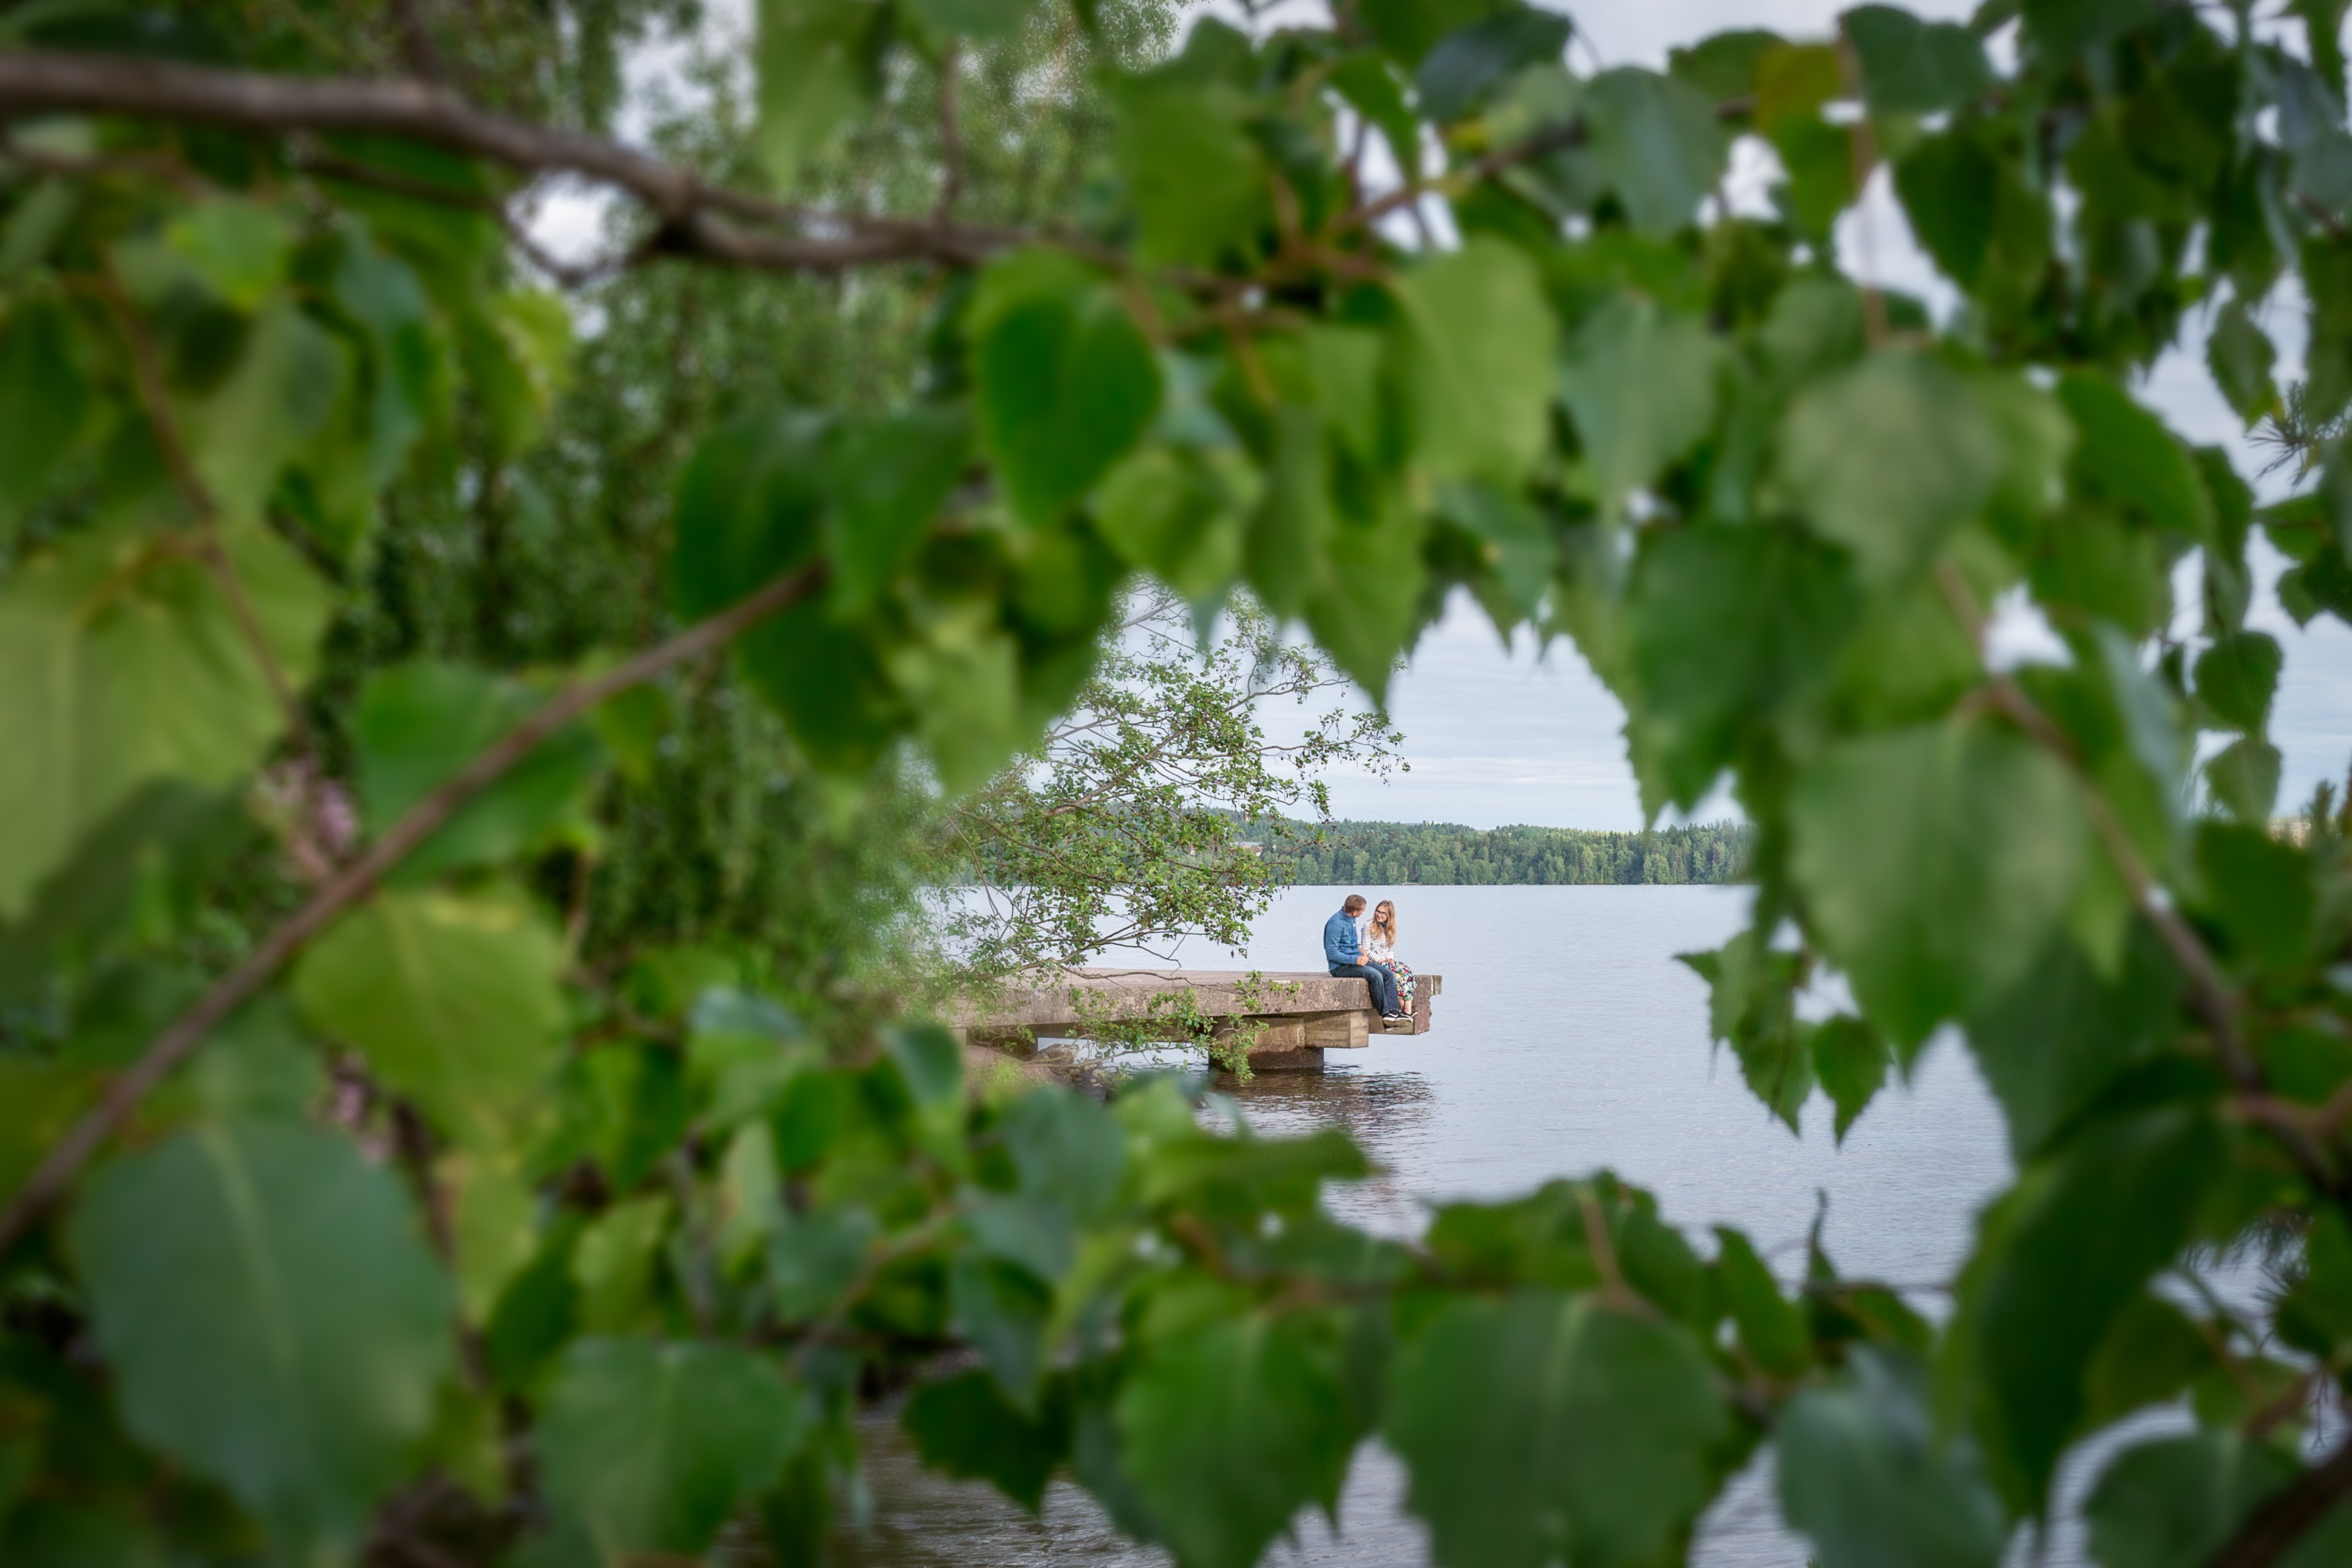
point(1449, 854)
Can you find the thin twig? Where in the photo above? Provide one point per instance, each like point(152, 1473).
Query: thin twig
point(2210, 993)
point(147, 375)
point(66, 1157)
point(416, 41)
point(2286, 1516)
point(950, 134)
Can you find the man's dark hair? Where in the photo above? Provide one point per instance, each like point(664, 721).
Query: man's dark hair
point(1355, 901)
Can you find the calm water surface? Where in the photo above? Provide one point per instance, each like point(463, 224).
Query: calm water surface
point(1568, 1038)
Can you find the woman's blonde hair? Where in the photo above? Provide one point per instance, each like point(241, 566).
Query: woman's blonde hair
point(1391, 925)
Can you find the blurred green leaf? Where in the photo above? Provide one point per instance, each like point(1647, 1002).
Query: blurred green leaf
point(118, 650)
point(820, 64)
point(1654, 142)
point(454, 1000)
point(1865, 1474)
point(1850, 1058)
point(2236, 676)
point(1911, 67)
point(1068, 383)
point(648, 1449)
point(46, 406)
point(2175, 1502)
point(1888, 457)
point(1475, 351)
point(274, 1321)
point(418, 725)
point(1470, 61)
point(1544, 1428)
point(1935, 861)
point(238, 248)
point(962, 1426)
point(1231, 1428)
point(1641, 385)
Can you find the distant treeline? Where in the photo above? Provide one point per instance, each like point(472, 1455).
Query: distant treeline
point(1446, 853)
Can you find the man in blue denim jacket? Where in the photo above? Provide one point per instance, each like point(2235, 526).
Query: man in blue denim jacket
point(1343, 950)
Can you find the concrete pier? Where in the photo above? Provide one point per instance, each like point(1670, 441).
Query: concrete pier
point(1288, 1020)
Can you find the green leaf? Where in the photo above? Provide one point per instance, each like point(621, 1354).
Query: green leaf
point(612, 1265)
point(2151, 1354)
point(1888, 457)
point(1850, 1058)
point(1654, 142)
point(1934, 862)
point(1179, 515)
point(272, 1317)
point(238, 248)
point(2077, 1241)
point(45, 402)
point(1911, 67)
point(820, 64)
point(1818, 158)
point(418, 725)
point(1730, 626)
point(1196, 180)
point(1641, 385)
point(1723, 65)
point(241, 433)
point(750, 509)
point(1365, 81)
point(1067, 1149)
point(2258, 891)
point(1752, 1007)
point(1407, 28)
point(2236, 676)
point(1001, 1311)
point(2244, 777)
point(816, 1258)
point(889, 478)
point(1231, 1428)
point(2240, 354)
point(648, 1449)
point(1770, 1326)
point(2050, 1043)
point(1475, 348)
point(1066, 384)
point(2124, 453)
point(1865, 1474)
point(517, 350)
point(454, 1001)
point(1545, 1428)
point(2175, 1502)
point(1469, 62)
point(121, 664)
point(964, 1427)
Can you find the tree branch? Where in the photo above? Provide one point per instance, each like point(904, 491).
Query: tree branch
point(66, 1157)
point(693, 217)
point(2285, 1517)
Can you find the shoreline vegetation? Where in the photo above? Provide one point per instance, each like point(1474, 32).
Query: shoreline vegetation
point(1447, 854)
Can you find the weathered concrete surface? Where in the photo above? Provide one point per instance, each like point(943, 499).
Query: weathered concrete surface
point(1297, 1016)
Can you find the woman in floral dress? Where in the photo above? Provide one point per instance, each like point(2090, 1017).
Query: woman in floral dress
point(1379, 947)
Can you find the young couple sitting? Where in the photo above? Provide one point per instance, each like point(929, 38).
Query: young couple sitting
point(1369, 955)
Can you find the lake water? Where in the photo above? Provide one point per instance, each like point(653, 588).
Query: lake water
point(1568, 1038)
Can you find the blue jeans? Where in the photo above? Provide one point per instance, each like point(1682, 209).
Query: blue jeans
point(1383, 983)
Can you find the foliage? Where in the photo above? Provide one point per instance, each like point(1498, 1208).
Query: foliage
point(1119, 829)
point(353, 1215)
point(1445, 854)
